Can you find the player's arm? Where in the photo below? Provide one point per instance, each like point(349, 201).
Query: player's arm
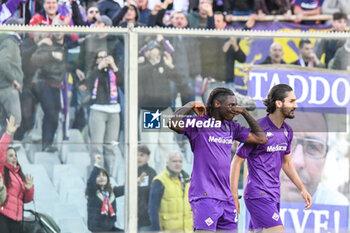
point(292, 174)
point(256, 135)
point(181, 113)
point(234, 178)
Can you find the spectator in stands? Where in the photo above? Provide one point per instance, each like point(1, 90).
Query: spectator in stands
point(307, 8)
point(102, 81)
point(156, 71)
point(307, 57)
point(28, 96)
point(50, 59)
point(275, 54)
point(309, 152)
point(20, 188)
point(220, 21)
point(341, 60)
point(168, 207)
point(330, 46)
point(11, 81)
point(186, 56)
point(101, 199)
point(3, 191)
point(143, 11)
point(89, 46)
point(108, 7)
point(178, 19)
point(201, 18)
point(146, 175)
point(129, 14)
point(233, 53)
point(91, 14)
point(8, 8)
point(164, 43)
point(330, 7)
point(274, 7)
point(49, 14)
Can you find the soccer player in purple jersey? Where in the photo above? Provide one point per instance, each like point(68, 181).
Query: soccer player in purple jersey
point(262, 191)
point(209, 194)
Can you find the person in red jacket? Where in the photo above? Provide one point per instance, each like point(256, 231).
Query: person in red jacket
point(20, 188)
point(49, 14)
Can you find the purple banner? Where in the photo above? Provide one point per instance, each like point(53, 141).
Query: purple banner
point(320, 218)
point(314, 88)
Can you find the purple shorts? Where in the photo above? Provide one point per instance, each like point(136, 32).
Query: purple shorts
point(264, 213)
point(212, 215)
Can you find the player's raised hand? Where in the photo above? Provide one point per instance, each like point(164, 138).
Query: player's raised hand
point(308, 199)
point(199, 109)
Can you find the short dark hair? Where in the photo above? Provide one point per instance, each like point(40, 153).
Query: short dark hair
point(278, 92)
point(339, 15)
point(304, 41)
point(217, 94)
point(108, 186)
point(220, 13)
point(143, 149)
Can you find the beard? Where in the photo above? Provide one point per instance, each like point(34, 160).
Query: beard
point(288, 112)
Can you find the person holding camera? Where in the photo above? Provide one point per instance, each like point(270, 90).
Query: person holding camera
point(102, 81)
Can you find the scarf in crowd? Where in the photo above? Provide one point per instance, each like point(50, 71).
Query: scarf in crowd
point(112, 85)
point(107, 208)
point(302, 63)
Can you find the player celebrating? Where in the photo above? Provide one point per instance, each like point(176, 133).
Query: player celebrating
point(262, 191)
point(210, 195)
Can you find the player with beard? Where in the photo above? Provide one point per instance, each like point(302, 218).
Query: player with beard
point(262, 191)
point(209, 194)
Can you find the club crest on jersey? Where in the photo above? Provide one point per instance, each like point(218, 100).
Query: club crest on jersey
point(269, 134)
point(209, 221)
point(275, 217)
point(286, 133)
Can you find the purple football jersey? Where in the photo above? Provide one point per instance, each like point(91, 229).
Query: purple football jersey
point(211, 147)
point(265, 161)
